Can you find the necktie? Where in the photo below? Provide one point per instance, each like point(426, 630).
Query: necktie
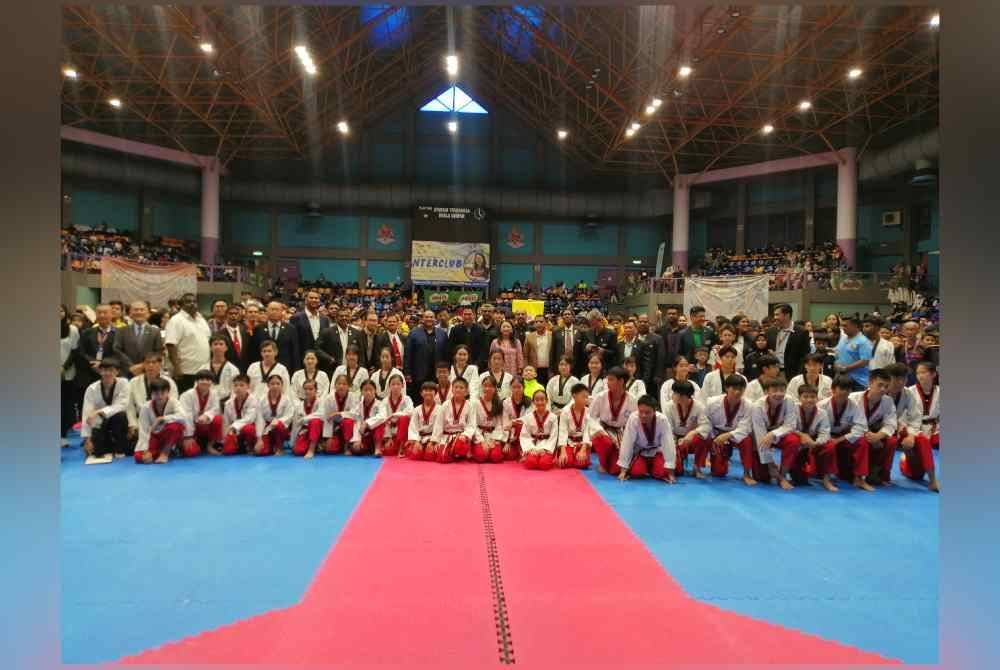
point(274, 332)
point(569, 342)
point(395, 351)
point(234, 334)
point(138, 331)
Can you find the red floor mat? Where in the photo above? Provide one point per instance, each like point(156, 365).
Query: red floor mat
point(415, 580)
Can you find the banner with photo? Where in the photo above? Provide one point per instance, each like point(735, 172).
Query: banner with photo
point(728, 296)
point(453, 297)
point(450, 263)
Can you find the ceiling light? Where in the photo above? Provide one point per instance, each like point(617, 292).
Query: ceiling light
point(684, 71)
point(311, 68)
point(629, 132)
point(935, 21)
point(206, 47)
point(453, 126)
point(307, 62)
point(301, 51)
point(805, 106)
point(70, 73)
point(451, 64)
point(635, 125)
point(735, 13)
point(636, 261)
point(343, 127)
point(257, 252)
point(721, 30)
point(650, 109)
point(115, 102)
point(677, 93)
point(854, 73)
point(656, 103)
point(767, 129)
point(562, 134)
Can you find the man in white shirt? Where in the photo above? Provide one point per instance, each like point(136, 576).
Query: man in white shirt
point(187, 342)
point(884, 353)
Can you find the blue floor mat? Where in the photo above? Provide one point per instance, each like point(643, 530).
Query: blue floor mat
point(155, 553)
point(859, 568)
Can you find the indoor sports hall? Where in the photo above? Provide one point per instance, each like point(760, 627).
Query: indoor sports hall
point(389, 335)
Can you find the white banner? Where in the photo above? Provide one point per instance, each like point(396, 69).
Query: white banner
point(727, 296)
point(450, 263)
point(127, 281)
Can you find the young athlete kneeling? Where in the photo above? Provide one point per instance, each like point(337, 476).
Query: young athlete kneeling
point(275, 412)
point(396, 408)
point(515, 411)
point(610, 411)
point(648, 447)
point(490, 436)
point(818, 455)
point(773, 420)
point(456, 426)
point(339, 412)
point(921, 435)
point(161, 425)
point(240, 416)
point(203, 427)
point(879, 414)
point(423, 419)
point(539, 435)
point(574, 430)
point(691, 427)
point(307, 427)
point(729, 416)
point(370, 426)
point(847, 429)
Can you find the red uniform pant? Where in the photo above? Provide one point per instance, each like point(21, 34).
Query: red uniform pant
point(852, 459)
point(274, 440)
point(880, 459)
point(919, 460)
point(487, 451)
point(398, 442)
point(539, 460)
point(343, 433)
point(164, 439)
point(721, 456)
point(643, 466)
point(310, 434)
point(369, 438)
point(204, 434)
point(818, 461)
point(418, 451)
point(607, 452)
point(789, 447)
point(452, 447)
point(699, 446)
point(240, 441)
point(578, 455)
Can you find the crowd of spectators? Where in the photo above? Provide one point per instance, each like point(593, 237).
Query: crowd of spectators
point(558, 298)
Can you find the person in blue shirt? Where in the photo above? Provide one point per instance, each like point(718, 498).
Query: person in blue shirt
point(853, 353)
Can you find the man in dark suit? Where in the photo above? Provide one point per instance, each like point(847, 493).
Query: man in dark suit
point(390, 338)
point(135, 340)
point(309, 323)
point(599, 340)
point(565, 341)
point(96, 343)
point(630, 345)
point(670, 332)
point(697, 334)
point(333, 343)
point(654, 356)
point(468, 333)
point(282, 333)
point(426, 345)
point(789, 343)
point(491, 331)
point(239, 342)
point(366, 342)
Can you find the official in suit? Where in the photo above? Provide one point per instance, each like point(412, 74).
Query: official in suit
point(390, 338)
point(367, 342)
point(333, 343)
point(789, 344)
point(697, 334)
point(654, 354)
point(565, 341)
point(538, 350)
point(426, 345)
point(96, 343)
point(309, 323)
point(283, 334)
point(132, 342)
point(469, 334)
point(239, 341)
point(630, 345)
point(599, 339)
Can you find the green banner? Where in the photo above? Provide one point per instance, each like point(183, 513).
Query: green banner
point(452, 297)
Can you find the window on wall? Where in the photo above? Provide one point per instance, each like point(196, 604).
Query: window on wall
point(454, 100)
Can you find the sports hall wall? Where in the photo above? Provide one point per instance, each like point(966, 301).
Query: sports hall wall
point(495, 149)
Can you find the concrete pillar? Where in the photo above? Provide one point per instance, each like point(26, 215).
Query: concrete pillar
point(210, 212)
point(847, 205)
point(681, 224)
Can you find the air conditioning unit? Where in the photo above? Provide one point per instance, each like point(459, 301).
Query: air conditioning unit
point(894, 218)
